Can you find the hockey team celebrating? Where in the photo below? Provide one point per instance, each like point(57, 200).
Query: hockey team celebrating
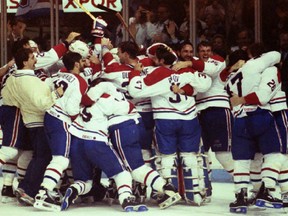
point(144, 118)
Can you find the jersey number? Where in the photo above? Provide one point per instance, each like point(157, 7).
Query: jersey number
point(60, 83)
point(86, 116)
point(238, 81)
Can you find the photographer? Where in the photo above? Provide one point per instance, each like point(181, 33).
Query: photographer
point(141, 25)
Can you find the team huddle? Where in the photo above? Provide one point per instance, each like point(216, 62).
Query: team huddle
point(145, 120)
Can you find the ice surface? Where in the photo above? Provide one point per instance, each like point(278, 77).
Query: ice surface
point(222, 195)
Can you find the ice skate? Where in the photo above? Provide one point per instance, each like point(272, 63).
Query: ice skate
point(70, 196)
point(198, 199)
point(252, 199)
point(240, 204)
point(170, 196)
point(111, 193)
point(47, 200)
point(130, 204)
point(23, 198)
point(206, 195)
point(284, 197)
point(140, 192)
point(7, 194)
point(266, 199)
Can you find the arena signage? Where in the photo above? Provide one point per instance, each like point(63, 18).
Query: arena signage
point(69, 6)
point(91, 5)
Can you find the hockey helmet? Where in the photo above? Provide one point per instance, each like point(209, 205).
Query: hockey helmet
point(80, 47)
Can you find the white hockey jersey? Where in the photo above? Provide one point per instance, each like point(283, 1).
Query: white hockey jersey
point(249, 79)
point(106, 93)
point(118, 74)
point(215, 96)
point(269, 91)
point(68, 106)
point(158, 85)
point(92, 123)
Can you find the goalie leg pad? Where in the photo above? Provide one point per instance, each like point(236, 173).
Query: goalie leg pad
point(169, 168)
point(191, 177)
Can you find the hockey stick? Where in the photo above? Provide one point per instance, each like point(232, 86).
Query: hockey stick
point(85, 10)
point(119, 16)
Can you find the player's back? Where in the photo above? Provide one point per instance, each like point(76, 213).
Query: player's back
point(74, 87)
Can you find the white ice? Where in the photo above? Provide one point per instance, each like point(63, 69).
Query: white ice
point(222, 195)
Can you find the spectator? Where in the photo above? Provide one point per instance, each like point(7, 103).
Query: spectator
point(185, 26)
point(16, 33)
point(216, 10)
point(141, 27)
point(243, 39)
point(219, 45)
point(166, 28)
point(233, 18)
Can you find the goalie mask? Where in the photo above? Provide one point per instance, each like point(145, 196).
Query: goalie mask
point(80, 47)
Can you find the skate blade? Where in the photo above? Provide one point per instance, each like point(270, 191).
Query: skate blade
point(256, 208)
point(264, 203)
point(171, 201)
point(128, 209)
point(137, 208)
point(140, 208)
point(207, 200)
point(65, 204)
point(23, 199)
point(46, 206)
point(239, 210)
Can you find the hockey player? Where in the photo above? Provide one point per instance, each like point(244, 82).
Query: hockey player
point(117, 73)
point(254, 128)
point(172, 112)
point(277, 102)
point(56, 122)
point(215, 116)
point(124, 135)
point(89, 148)
point(214, 110)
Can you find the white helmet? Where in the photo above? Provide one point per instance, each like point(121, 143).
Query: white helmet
point(80, 47)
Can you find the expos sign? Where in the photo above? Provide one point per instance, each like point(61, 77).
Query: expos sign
point(70, 6)
point(91, 5)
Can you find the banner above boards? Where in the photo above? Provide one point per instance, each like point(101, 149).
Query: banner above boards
point(68, 6)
